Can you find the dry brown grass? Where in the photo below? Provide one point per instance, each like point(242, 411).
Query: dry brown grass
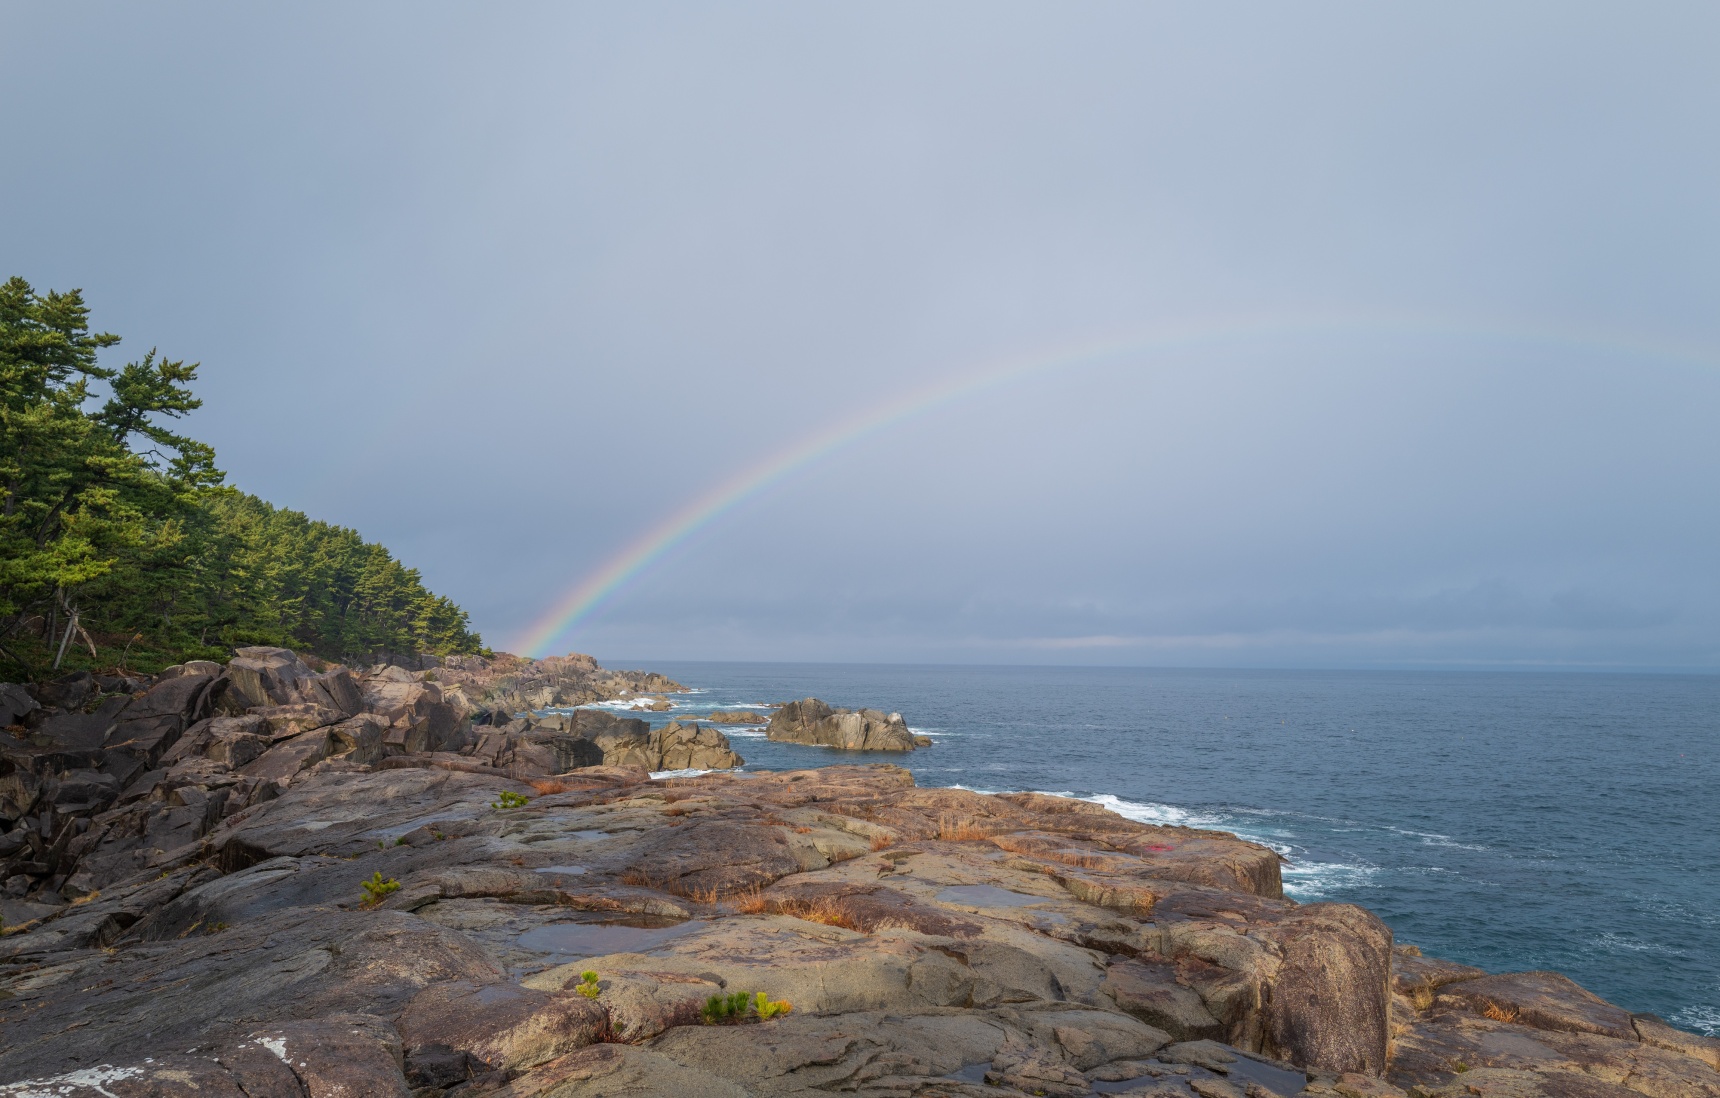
point(828, 910)
point(638, 878)
point(750, 902)
point(546, 786)
point(958, 830)
point(710, 894)
point(1499, 1012)
point(883, 841)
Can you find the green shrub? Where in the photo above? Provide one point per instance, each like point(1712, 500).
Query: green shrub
point(506, 800)
point(742, 1006)
point(377, 888)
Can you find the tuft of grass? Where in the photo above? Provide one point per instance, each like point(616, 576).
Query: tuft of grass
point(1499, 1012)
point(377, 888)
point(829, 910)
point(882, 841)
point(508, 799)
point(958, 830)
point(750, 902)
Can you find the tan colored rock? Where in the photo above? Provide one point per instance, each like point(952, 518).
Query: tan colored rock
point(736, 716)
point(620, 1071)
point(816, 724)
point(1151, 993)
point(1543, 1000)
point(290, 720)
point(1331, 997)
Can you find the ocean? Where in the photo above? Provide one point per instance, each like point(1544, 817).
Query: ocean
point(1507, 820)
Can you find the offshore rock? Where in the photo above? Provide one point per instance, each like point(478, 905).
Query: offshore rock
point(815, 724)
point(736, 716)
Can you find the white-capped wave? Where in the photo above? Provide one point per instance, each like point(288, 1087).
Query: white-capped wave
point(1151, 812)
point(744, 733)
point(1317, 880)
point(1433, 838)
point(680, 773)
point(1703, 1019)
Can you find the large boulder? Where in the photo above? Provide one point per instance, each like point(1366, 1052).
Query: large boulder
point(418, 717)
point(815, 724)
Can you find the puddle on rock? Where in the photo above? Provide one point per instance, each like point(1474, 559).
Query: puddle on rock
point(1274, 1080)
point(973, 1073)
point(591, 834)
point(635, 934)
point(1270, 1077)
point(986, 896)
point(553, 870)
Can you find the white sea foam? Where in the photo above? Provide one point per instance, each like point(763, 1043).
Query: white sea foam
point(744, 733)
point(1703, 1019)
point(1434, 838)
point(1303, 880)
point(1151, 812)
point(1317, 880)
point(679, 773)
point(1612, 941)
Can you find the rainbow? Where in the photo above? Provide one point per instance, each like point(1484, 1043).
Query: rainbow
point(615, 574)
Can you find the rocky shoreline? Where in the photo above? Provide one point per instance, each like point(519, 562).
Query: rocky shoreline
point(273, 878)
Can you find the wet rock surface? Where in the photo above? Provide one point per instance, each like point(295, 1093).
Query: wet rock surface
point(288, 881)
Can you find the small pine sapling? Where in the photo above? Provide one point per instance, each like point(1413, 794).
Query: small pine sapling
point(507, 799)
point(588, 985)
point(377, 888)
point(767, 1009)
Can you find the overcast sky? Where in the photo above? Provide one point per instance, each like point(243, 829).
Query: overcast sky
point(503, 285)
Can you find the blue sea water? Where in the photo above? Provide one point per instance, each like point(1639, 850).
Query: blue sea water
point(1507, 820)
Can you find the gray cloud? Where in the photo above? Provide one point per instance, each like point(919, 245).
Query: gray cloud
point(502, 288)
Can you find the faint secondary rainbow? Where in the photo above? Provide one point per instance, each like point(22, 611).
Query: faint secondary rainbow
point(609, 579)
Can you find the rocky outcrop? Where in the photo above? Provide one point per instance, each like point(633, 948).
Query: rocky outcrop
point(350, 917)
point(513, 684)
point(102, 777)
point(815, 724)
point(609, 740)
point(736, 716)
